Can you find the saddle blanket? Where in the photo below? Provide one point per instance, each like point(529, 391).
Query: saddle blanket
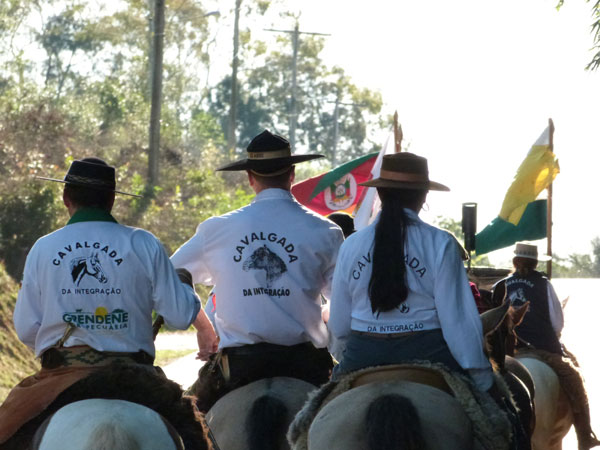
point(34, 394)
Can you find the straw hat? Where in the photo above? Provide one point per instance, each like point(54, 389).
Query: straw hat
point(93, 173)
point(268, 153)
point(405, 171)
point(526, 250)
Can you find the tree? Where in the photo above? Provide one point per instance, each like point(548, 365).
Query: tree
point(595, 62)
point(455, 227)
point(263, 102)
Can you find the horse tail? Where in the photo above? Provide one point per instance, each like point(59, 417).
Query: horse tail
point(112, 435)
point(393, 423)
point(266, 423)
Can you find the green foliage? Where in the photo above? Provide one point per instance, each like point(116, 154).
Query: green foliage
point(16, 360)
point(594, 64)
point(455, 227)
point(264, 101)
point(24, 217)
point(578, 265)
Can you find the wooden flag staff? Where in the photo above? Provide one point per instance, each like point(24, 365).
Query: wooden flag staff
point(549, 205)
point(397, 134)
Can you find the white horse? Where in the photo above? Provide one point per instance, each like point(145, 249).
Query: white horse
point(99, 424)
point(553, 415)
point(396, 415)
point(257, 416)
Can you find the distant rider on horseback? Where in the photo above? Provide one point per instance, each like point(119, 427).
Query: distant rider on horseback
point(269, 262)
point(86, 302)
point(540, 330)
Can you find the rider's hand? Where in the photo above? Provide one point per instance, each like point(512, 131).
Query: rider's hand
point(208, 341)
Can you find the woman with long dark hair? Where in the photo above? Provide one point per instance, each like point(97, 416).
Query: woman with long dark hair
point(400, 290)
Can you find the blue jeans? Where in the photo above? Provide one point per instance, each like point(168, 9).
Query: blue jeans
point(366, 351)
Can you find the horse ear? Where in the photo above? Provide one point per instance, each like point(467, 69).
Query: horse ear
point(517, 314)
point(492, 318)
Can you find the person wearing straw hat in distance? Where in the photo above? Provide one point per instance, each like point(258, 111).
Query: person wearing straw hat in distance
point(88, 293)
point(540, 331)
point(270, 261)
point(400, 291)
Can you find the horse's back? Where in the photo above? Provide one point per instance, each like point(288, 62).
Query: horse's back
point(98, 424)
point(265, 406)
point(340, 424)
point(553, 416)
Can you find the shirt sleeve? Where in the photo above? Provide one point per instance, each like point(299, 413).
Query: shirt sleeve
point(192, 256)
point(555, 310)
point(340, 313)
point(330, 269)
point(177, 302)
point(459, 320)
point(28, 312)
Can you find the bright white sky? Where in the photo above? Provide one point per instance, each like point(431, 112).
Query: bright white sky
point(474, 83)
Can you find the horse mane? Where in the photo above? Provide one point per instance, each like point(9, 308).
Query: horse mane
point(110, 436)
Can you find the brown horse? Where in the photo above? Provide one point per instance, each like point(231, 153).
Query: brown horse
point(256, 416)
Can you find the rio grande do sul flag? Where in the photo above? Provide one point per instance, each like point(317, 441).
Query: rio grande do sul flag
point(337, 190)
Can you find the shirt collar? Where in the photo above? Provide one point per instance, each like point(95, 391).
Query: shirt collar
point(91, 215)
point(273, 194)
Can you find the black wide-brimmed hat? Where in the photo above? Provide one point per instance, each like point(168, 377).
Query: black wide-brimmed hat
point(92, 173)
point(268, 153)
point(405, 171)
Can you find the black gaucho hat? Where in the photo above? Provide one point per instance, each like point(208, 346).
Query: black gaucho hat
point(268, 154)
point(93, 173)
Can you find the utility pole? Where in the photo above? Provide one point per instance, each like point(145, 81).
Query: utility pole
point(336, 127)
point(156, 98)
point(231, 138)
point(293, 104)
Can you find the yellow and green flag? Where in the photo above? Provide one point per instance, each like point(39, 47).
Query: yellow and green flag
point(522, 217)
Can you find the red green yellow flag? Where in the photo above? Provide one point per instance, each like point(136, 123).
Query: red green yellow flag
point(337, 190)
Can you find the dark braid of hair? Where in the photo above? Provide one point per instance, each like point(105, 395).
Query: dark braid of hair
point(387, 286)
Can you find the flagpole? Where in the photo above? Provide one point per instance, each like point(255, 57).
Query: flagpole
point(549, 211)
point(397, 134)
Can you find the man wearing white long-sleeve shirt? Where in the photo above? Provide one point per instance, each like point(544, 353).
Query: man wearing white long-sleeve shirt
point(88, 293)
point(270, 261)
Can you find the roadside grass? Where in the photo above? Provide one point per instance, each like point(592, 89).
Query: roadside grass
point(164, 357)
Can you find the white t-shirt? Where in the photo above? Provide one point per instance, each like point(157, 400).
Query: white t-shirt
point(439, 296)
point(269, 261)
point(106, 279)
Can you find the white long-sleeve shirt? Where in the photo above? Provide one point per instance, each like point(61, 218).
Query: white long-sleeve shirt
point(439, 296)
point(555, 310)
point(270, 261)
point(106, 279)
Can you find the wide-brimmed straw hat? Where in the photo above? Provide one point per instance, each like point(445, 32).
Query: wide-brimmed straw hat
point(405, 171)
point(526, 250)
point(93, 173)
point(268, 153)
